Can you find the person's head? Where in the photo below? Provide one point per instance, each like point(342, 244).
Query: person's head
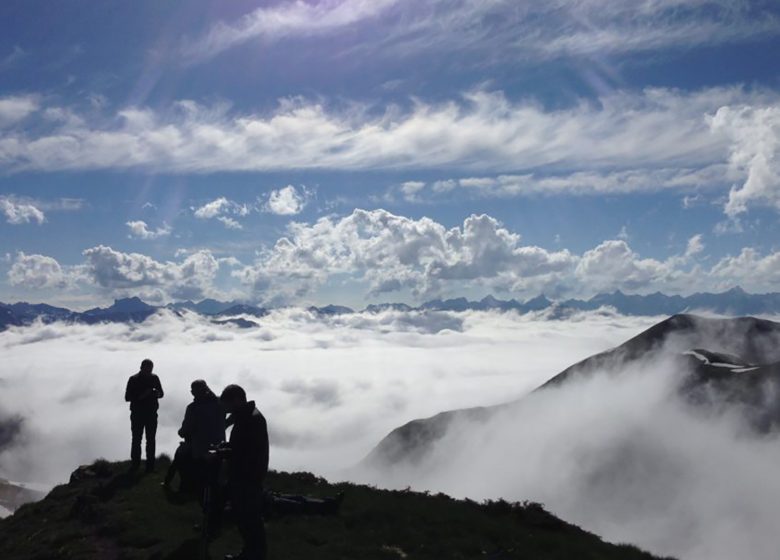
point(200, 389)
point(147, 366)
point(232, 398)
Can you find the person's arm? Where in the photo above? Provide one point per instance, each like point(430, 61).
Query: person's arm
point(257, 449)
point(186, 425)
point(158, 386)
point(129, 390)
point(264, 448)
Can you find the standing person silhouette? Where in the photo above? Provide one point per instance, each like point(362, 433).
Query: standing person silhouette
point(142, 392)
point(203, 427)
point(247, 456)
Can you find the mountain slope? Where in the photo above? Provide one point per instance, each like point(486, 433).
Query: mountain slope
point(105, 513)
point(749, 340)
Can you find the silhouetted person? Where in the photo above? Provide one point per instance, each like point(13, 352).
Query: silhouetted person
point(142, 392)
point(203, 427)
point(247, 456)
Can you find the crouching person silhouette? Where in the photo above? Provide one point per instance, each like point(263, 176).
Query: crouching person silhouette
point(247, 458)
point(143, 392)
point(202, 428)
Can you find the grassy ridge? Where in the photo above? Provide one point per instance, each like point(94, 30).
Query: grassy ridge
point(114, 515)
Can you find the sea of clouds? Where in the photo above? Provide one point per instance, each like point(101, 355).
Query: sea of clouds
point(617, 454)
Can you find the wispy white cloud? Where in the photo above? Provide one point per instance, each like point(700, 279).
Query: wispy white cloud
point(13, 58)
point(224, 211)
point(481, 131)
point(20, 211)
point(140, 230)
point(294, 18)
point(15, 108)
point(500, 30)
point(577, 183)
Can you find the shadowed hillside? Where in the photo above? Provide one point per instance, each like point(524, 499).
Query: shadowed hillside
point(108, 514)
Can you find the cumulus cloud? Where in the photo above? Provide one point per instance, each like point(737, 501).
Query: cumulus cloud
point(755, 155)
point(133, 273)
point(223, 210)
point(749, 267)
point(391, 253)
point(613, 264)
point(140, 230)
point(20, 212)
point(381, 253)
point(37, 271)
point(122, 274)
point(285, 201)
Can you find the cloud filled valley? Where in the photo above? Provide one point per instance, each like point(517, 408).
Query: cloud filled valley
point(616, 453)
point(331, 386)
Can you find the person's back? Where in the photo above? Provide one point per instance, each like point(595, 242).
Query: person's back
point(247, 454)
point(249, 444)
point(204, 420)
point(143, 392)
point(203, 426)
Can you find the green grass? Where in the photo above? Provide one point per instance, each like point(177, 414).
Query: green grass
point(120, 516)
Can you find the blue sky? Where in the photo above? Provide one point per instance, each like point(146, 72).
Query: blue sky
point(353, 151)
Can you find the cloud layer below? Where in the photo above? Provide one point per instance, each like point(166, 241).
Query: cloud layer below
point(619, 457)
point(373, 373)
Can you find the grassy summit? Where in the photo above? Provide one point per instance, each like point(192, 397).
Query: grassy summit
point(109, 514)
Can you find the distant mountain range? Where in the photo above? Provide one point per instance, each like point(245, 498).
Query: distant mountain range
point(734, 302)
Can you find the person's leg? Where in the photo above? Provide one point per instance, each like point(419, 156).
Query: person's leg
point(174, 467)
point(247, 508)
point(150, 427)
point(136, 429)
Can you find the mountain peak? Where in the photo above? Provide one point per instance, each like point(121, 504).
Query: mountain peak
point(130, 305)
point(736, 291)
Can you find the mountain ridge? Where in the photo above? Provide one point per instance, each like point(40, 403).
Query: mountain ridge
point(734, 302)
point(104, 512)
point(755, 343)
